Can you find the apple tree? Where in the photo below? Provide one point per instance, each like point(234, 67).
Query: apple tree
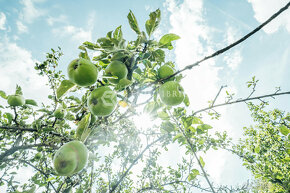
point(85, 139)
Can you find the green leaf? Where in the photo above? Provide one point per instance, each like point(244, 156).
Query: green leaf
point(105, 43)
point(9, 117)
point(193, 174)
point(141, 38)
point(157, 55)
point(118, 35)
point(84, 55)
point(186, 121)
point(186, 100)
point(165, 41)
point(204, 127)
point(196, 120)
point(82, 126)
point(133, 22)
point(79, 190)
point(30, 102)
point(201, 161)
point(18, 90)
point(152, 23)
point(284, 130)
point(177, 137)
point(49, 179)
point(119, 56)
point(167, 126)
point(90, 45)
point(65, 85)
point(3, 94)
point(136, 76)
point(163, 115)
point(68, 190)
point(257, 149)
point(123, 83)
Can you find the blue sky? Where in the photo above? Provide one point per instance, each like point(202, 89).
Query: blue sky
point(29, 28)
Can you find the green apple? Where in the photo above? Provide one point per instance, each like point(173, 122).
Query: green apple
point(102, 101)
point(118, 69)
point(59, 113)
point(82, 156)
point(82, 72)
point(171, 93)
point(71, 158)
point(165, 71)
point(38, 155)
point(15, 100)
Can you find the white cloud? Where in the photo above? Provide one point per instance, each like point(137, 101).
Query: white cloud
point(21, 27)
point(17, 67)
point(77, 34)
point(233, 58)
point(203, 82)
point(30, 12)
point(2, 21)
point(200, 83)
point(60, 19)
point(187, 22)
point(265, 8)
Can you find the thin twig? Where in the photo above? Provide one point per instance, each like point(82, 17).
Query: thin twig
point(240, 100)
point(218, 94)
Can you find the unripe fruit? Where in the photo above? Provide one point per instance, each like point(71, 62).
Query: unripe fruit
point(59, 113)
point(165, 71)
point(16, 100)
point(102, 101)
point(38, 155)
point(70, 158)
point(116, 68)
point(171, 93)
point(82, 72)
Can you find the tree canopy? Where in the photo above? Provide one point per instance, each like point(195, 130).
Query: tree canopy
point(111, 82)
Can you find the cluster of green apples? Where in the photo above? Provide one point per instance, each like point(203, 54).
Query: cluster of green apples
point(72, 157)
point(171, 92)
point(103, 100)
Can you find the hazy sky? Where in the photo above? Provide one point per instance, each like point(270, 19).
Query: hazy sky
point(29, 28)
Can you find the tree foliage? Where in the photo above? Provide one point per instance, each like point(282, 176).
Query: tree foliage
point(265, 149)
point(31, 133)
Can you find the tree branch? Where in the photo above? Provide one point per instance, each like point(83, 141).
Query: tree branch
point(133, 163)
point(241, 100)
point(189, 67)
point(16, 148)
point(39, 170)
point(174, 182)
point(26, 129)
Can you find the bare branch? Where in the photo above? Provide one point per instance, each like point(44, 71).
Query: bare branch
point(16, 148)
point(26, 129)
point(241, 100)
point(218, 94)
point(189, 67)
